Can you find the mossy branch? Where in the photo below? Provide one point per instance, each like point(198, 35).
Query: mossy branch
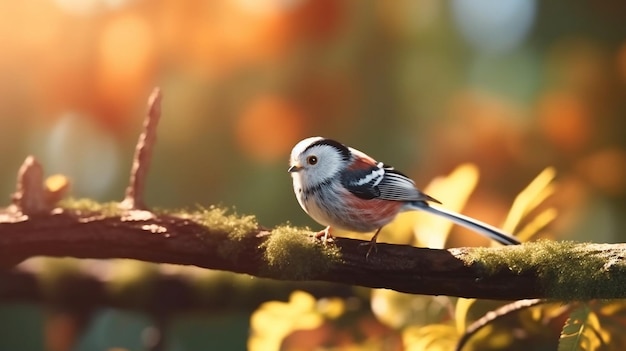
point(212, 239)
point(37, 225)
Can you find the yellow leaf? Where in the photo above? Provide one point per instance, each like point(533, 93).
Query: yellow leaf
point(581, 331)
point(301, 301)
point(536, 224)
point(529, 198)
point(613, 307)
point(432, 337)
point(461, 312)
point(398, 310)
point(274, 320)
point(331, 307)
point(56, 182)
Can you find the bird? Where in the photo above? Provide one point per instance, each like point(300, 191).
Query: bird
point(341, 187)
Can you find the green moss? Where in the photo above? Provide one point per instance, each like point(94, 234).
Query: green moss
point(214, 218)
point(289, 251)
point(218, 219)
point(566, 270)
point(294, 254)
point(107, 209)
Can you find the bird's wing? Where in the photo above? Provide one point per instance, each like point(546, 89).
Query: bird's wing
point(396, 186)
point(363, 183)
point(379, 181)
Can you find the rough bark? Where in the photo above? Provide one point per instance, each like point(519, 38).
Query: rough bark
point(454, 272)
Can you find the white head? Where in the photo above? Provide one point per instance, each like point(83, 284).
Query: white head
point(315, 160)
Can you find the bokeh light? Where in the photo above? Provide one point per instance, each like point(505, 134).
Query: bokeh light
point(77, 148)
point(606, 170)
point(126, 58)
point(89, 7)
point(566, 121)
point(269, 127)
point(493, 26)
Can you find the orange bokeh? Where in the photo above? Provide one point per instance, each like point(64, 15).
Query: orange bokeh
point(125, 63)
point(317, 19)
point(476, 122)
point(565, 120)
point(606, 170)
point(269, 127)
point(218, 36)
point(29, 27)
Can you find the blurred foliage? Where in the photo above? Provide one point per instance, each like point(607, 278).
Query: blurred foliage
point(505, 87)
point(536, 193)
point(273, 321)
point(582, 331)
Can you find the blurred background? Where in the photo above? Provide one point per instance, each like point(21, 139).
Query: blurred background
point(510, 86)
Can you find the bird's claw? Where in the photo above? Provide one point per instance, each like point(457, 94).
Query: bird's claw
point(325, 236)
point(372, 246)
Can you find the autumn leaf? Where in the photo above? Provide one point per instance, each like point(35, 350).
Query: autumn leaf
point(581, 331)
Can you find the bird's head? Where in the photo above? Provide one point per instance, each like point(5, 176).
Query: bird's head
point(316, 160)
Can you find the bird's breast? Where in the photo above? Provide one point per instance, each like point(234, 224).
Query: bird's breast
point(345, 211)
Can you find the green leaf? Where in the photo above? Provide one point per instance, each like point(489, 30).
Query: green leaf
point(582, 331)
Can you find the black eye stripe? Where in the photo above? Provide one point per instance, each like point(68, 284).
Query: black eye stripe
point(345, 152)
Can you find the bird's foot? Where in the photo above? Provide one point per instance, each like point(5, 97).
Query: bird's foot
point(325, 236)
point(372, 244)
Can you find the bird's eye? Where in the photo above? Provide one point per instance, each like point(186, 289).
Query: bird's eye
point(312, 160)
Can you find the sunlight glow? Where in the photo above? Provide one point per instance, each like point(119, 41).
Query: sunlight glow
point(265, 7)
point(89, 7)
point(126, 56)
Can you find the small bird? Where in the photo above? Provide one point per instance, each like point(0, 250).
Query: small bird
point(341, 187)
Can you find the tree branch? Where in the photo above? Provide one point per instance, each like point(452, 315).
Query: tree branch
point(491, 316)
point(143, 154)
point(36, 226)
point(158, 291)
point(534, 270)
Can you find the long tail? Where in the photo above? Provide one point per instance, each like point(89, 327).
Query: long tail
point(468, 222)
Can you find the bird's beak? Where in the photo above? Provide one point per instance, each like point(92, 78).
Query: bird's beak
point(294, 169)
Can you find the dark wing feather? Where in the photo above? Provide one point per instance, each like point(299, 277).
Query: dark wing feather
point(363, 183)
point(383, 182)
point(395, 186)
